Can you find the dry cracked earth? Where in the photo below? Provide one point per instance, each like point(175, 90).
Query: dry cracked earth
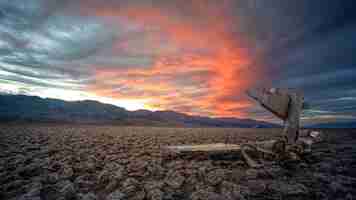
point(116, 163)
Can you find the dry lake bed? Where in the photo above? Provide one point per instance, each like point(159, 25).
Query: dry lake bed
point(112, 162)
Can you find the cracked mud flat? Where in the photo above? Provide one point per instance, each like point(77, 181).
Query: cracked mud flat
point(107, 162)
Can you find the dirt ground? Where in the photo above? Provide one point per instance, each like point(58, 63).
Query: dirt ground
point(106, 162)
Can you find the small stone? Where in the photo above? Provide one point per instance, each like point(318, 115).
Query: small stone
point(119, 174)
point(325, 166)
point(67, 172)
point(104, 177)
point(192, 180)
point(206, 195)
point(33, 193)
point(117, 195)
point(112, 166)
point(288, 189)
point(324, 178)
point(237, 174)
point(346, 180)
point(156, 171)
point(111, 186)
point(256, 186)
point(215, 177)
point(152, 185)
point(88, 196)
point(231, 190)
point(130, 186)
point(155, 194)
point(61, 190)
point(275, 172)
point(137, 168)
point(175, 179)
point(30, 170)
point(52, 178)
point(66, 189)
point(251, 174)
point(337, 187)
point(138, 195)
point(245, 191)
point(85, 182)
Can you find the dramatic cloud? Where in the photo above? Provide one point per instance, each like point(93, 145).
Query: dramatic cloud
point(196, 56)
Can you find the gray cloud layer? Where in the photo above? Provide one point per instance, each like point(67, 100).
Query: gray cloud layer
point(304, 44)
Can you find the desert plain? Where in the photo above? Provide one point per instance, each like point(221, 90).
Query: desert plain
point(44, 161)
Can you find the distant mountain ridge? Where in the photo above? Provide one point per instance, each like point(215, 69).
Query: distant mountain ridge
point(23, 108)
point(351, 124)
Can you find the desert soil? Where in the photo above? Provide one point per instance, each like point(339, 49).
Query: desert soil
point(107, 162)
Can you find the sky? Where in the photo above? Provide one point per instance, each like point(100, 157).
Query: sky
point(193, 56)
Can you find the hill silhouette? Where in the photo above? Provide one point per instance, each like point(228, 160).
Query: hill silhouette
point(23, 108)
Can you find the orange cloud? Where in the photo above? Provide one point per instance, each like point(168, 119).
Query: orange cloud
point(200, 66)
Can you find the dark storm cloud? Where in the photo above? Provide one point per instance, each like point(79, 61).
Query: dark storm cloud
point(310, 45)
point(40, 39)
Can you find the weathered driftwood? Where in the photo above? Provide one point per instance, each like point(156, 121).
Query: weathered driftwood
point(217, 147)
point(285, 104)
point(270, 148)
point(275, 100)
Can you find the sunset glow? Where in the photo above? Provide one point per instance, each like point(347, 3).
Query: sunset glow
point(193, 56)
point(197, 65)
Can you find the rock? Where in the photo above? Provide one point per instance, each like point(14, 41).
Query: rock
point(230, 190)
point(105, 177)
point(112, 166)
point(85, 182)
point(287, 189)
point(67, 172)
point(89, 166)
point(13, 185)
point(130, 186)
point(346, 180)
point(119, 173)
point(33, 192)
point(174, 179)
point(275, 172)
point(88, 196)
point(52, 178)
point(137, 168)
point(323, 178)
point(245, 191)
point(155, 194)
point(117, 195)
point(325, 166)
point(192, 180)
point(215, 177)
point(55, 166)
point(139, 195)
point(66, 189)
point(251, 174)
point(256, 186)
point(112, 185)
point(206, 195)
point(237, 175)
point(30, 170)
point(156, 171)
point(337, 187)
point(62, 190)
point(152, 185)
point(26, 197)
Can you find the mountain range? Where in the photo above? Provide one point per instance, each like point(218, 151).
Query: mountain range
point(23, 108)
point(350, 124)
